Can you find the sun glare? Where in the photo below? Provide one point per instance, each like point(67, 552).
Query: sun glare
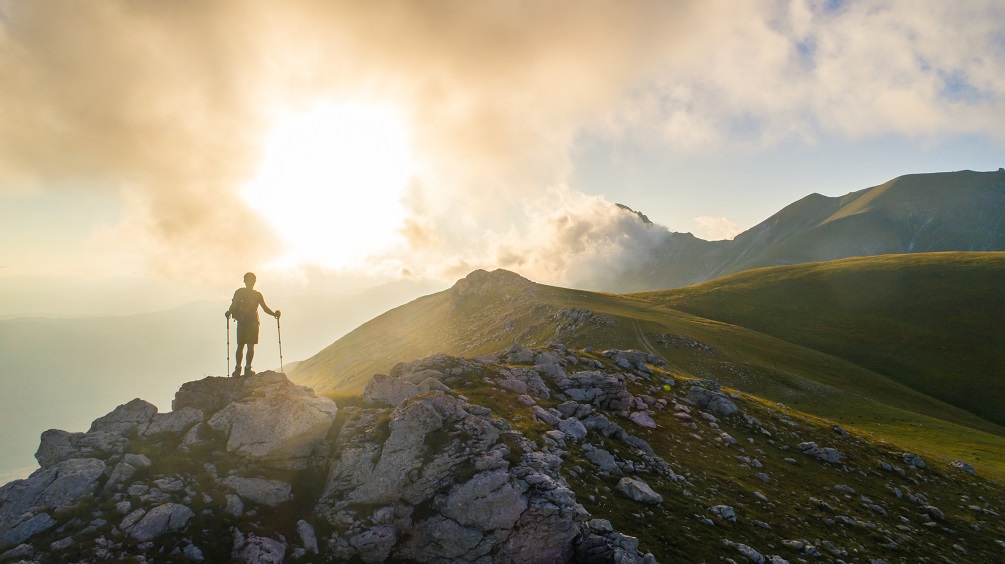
point(331, 180)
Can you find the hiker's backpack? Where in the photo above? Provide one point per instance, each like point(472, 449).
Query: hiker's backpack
point(245, 305)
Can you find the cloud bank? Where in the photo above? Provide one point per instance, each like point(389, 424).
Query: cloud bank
point(166, 104)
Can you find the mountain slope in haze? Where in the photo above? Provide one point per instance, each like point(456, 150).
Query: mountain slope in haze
point(931, 321)
point(485, 312)
point(951, 211)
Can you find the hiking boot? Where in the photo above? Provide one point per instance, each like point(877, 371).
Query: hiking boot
point(237, 372)
point(249, 372)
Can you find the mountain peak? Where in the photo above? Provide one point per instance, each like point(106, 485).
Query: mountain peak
point(641, 215)
point(480, 282)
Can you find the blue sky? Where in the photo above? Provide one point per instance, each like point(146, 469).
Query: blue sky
point(399, 139)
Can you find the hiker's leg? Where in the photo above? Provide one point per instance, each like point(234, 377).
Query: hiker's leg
point(240, 353)
point(251, 355)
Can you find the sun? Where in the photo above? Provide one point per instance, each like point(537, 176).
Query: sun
point(331, 182)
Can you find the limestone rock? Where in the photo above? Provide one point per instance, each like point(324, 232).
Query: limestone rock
point(254, 549)
point(913, 460)
point(163, 519)
point(642, 419)
point(58, 446)
point(712, 401)
point(175, 422)
point(960, 465)
point(723, 512)
point(278, 426)
point(307, 536)
point(637, 490)
point(213, 393)
point(259, 490)
point(386, 390)
point(125, 418)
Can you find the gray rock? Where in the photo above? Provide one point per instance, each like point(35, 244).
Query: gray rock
point(712, 401)
point(724, 512)
point(163, 519)
point(212, 394)
point(604, 460)
point(253, 549)
point(55, 488)
point(642, 419)
point(137, 460)
point(193, 553)
point(827, 454)
point(307, 536)
point(125, 418)
point(963, 466)
point(526, 400)
point(278, 426)
point(120, 474)
point(25, 530)
point(637, 490)
point(433, 385)
point(488, 501)
point(386, 390)
point(544, 416)
point(913, 460)
point(175, 422)
point(259, 490)
point(234, 507)
point(572, 428)
point(515, 386)
point(568, 409)
point(19, 553)
point(58, 446)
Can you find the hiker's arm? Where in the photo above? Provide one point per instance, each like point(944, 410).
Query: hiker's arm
point(266, 308)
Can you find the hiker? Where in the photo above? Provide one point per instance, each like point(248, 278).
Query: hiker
point(244, 310)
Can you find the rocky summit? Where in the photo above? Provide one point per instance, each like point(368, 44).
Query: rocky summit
point(531, 454)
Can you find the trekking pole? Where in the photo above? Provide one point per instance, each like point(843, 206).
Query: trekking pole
point(228, 346)
point(280, 333)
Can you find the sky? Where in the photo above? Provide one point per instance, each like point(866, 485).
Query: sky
point(356, 142)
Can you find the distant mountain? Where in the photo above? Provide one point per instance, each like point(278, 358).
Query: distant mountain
point(486, 312)
point(951, 211)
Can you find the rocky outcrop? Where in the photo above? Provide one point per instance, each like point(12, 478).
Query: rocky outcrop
point(524, 455)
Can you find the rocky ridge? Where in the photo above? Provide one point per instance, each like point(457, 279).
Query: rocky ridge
point(541, 455)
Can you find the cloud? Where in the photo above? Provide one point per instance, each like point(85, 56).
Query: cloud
point(167, 103)
point(716, 228)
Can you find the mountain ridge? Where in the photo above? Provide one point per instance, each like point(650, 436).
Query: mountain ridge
point(947, 211)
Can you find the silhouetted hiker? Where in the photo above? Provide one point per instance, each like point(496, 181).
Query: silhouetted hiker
point(244, 310)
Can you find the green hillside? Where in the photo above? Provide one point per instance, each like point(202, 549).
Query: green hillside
point(487, 312)
point(929, 321)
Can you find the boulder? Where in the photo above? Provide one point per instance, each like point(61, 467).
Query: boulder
point(163, 519)
point(573, 428)
point(913, 460)
point(125, 418)
point(604, 461)
point(712, 401)
point(642, 419)
point(963, 466)
point(385, 390)
point(25, 530)
point(51, 489)
point(173, 423)
point(723, 512)
point(259, 490)
point(213, 393)
point(58, 446)
point(254, 549)
point(307, 536)
point(637, 490)
point(275, 427)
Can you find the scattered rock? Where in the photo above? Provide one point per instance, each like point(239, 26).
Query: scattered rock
point(637, 490)
point(163, 519)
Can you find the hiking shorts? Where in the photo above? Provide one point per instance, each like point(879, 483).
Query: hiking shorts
point(247, 333)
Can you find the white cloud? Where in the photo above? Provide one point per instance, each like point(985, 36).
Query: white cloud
point(715, 228)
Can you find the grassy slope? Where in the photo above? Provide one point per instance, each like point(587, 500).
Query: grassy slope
point(929, 321)
point(757, 363)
